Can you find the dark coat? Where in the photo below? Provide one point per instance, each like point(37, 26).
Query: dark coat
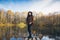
point(29, 19)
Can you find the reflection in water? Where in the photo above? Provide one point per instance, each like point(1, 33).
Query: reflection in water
point(12, 38)
point(45, 38)
point(16, 34)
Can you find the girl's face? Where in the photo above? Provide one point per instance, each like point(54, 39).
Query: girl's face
point(29, 13)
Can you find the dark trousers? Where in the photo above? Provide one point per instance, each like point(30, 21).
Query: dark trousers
point(29, 30)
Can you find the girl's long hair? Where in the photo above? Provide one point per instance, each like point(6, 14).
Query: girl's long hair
point(29, 15)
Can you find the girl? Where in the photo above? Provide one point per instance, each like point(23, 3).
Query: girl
point(29, 21)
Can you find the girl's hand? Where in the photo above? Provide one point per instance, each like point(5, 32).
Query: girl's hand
point(30, 23)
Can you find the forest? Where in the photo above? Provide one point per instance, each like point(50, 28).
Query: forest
point(12, 23)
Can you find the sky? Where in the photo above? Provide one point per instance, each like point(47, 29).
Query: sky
point(44, 6)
